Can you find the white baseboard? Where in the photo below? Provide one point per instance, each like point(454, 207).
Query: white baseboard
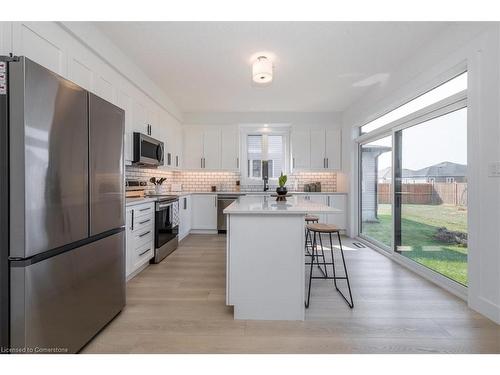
point(137, 271)
point(203, 231)
point(486, 308)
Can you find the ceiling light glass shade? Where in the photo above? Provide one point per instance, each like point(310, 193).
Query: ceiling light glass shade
point(262, 70)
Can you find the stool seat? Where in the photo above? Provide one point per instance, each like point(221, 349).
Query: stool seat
point(311, 218)
point(322, 228)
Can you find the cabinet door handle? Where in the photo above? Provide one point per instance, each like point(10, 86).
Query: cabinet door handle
point(237, 162)
point(201, 162)
point(215, 201)
point(204, 163)
point(185, 203)
point(145, 209)
point(132, 225)
point(176, 160)
point(144, 252)
point(326, 162)
point(293, 162)
point(145, 233)
point(145, 221)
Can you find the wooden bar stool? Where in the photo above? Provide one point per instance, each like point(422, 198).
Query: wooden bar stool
point(319, 229)
point(309, 219)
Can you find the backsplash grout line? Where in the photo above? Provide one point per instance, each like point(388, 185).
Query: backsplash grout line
point(226, 180)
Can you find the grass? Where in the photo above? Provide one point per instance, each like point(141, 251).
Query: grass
point(419, 224)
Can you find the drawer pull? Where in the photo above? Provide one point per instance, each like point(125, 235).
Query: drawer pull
point(145, 221)
point(145, 209)
point(144, 252)
point(142, 235)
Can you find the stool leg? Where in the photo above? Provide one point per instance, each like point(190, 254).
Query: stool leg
point(311, 271)
point(325, 272)
point(351, 304)
point(333, 262)
point(308, 242)
point(306, 232)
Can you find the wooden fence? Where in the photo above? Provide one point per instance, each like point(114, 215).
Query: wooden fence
point(427, 193)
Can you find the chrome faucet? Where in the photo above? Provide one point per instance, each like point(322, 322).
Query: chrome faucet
point(265, 174)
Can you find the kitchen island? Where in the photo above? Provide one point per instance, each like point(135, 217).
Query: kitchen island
point(265, 256)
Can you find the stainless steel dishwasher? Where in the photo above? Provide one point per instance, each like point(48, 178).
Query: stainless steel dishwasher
point(223, 200)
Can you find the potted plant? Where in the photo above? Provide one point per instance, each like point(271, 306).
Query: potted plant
point(281, 190)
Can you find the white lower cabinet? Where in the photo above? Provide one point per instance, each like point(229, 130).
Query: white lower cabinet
point(337, 201)
point(204, 212)
point(319, 199)
point(185, 213)
point(338, 219)
point(139, 237)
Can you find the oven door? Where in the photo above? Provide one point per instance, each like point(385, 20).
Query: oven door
point(147, 150)
point(166, 227)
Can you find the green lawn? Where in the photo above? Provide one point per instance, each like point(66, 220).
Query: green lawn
point(419, 224)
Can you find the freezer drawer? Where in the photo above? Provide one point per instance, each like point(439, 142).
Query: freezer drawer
point(63, 301)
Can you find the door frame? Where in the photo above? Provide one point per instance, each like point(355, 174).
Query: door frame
point(450, 104)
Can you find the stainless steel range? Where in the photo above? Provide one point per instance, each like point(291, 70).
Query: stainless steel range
point(166, 226)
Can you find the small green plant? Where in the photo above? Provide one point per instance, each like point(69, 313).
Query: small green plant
point(282, 179)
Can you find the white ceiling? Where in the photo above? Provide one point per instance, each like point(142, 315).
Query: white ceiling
point(319, 66)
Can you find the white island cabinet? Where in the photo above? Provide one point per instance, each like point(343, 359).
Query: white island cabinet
point(265, 256)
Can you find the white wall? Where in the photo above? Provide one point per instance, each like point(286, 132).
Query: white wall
point(478, 46)
point(79, 52)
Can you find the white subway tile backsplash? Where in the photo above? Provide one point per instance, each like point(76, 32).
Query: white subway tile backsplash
point(226, 181)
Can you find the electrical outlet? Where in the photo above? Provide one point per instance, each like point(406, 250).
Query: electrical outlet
point(494, 169)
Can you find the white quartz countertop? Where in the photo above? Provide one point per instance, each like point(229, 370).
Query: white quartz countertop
point(294, 205)
point(134, 201)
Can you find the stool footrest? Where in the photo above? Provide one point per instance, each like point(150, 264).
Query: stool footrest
point(329, 277)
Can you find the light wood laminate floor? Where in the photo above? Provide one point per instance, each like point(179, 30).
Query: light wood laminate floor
point(178, 306)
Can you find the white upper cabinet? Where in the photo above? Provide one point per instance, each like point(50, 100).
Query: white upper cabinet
point(56, 48)
point(301, 150)
point(193, 148)
point(153, 126)
point(316, 149)
point(230, 142)
point(173, 145)
point(138, 117)
point(201, 148)
point(177, 147)
point(211, 149)
point(125, 103)
point(333, 149)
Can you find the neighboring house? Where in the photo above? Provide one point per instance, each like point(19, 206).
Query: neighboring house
point(442, 172)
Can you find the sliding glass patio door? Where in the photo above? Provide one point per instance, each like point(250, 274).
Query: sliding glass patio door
point(430, 194)
point(376, 191)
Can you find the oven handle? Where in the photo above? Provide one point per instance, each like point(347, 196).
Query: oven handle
point(165, 205)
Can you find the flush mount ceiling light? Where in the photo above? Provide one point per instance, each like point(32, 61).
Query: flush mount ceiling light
point(262, 70)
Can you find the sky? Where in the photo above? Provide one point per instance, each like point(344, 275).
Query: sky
point(434, 141)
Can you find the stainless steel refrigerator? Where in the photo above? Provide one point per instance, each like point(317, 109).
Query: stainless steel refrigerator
point(62, 260)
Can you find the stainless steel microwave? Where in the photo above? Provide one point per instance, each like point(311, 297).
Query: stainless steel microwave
point(147, 151)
